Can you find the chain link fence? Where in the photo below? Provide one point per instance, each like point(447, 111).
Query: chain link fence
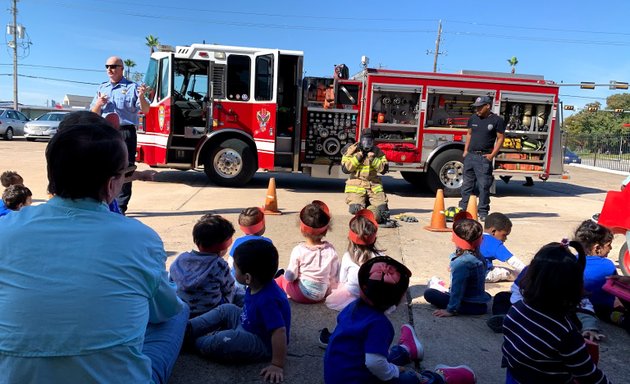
point(604, 151)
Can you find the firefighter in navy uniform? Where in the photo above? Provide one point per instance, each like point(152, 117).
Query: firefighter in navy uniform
point(363, 161)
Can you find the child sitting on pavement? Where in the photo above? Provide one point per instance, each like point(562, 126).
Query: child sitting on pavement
point(467, 294)
point(359, 348)
point(503, 301)
point(15, 198)
point(541, 342)
point(597, 242)
point(257, 332)
point(313, 269)
point(203, 277)
point(7, 179)
point(252, 222)
point(361, 248)
point(497, 228)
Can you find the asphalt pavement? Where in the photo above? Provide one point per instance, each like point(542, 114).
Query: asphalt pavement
point(546, 212)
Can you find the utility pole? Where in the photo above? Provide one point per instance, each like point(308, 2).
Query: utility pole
point(13, 29)
point(437, 46)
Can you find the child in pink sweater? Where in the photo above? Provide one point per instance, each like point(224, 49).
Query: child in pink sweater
point(314, 264)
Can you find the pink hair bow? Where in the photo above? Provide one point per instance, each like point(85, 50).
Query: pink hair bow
point(384, 272)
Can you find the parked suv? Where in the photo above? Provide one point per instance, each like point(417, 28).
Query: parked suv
point(43, 127)
point(11, 123)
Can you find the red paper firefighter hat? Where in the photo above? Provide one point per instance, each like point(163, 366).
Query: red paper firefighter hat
point(256, 227)
point(315, 231)
point(356, 237)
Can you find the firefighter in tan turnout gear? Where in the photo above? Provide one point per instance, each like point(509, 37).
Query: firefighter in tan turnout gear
point(364, 189)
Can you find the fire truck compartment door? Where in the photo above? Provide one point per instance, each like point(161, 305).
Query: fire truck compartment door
point(520, 97)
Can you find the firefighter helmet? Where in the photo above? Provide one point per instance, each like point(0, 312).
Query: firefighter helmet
point(450, 213)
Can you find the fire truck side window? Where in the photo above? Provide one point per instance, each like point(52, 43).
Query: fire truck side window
point(151, 77)
point(165, 72)
point(263, 88)
point(238, 77)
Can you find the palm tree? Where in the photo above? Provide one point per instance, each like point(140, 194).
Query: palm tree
point(128, 65)
point(513, 61)
point(152, 42)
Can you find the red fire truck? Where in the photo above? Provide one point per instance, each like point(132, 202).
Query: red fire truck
point(235, 110)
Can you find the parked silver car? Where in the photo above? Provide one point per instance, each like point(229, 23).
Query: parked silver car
point(11, 123)
point(43, 127)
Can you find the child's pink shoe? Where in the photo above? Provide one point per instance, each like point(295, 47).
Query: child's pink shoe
point(461, 374)
point(411, 343)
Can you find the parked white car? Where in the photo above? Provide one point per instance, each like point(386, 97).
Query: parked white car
point(11, 123)
point(43, 127)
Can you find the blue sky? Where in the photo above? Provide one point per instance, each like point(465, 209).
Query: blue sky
point(564, 41)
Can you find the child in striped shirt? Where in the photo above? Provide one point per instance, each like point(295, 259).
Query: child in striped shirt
point(541, 342)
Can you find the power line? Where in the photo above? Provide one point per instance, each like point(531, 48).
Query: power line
point(50, 78)
point(347, 18)
point(55, 67)
point(258, 14)
point(584, 97)
point(338, 18)
point(511, 27)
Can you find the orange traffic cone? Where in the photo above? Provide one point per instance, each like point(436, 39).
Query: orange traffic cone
point(438, 219)
point(271, 201)
point(472, 207)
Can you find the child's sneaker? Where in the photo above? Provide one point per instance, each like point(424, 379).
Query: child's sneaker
point(496, 323)
point(324, 336)
point(461, 374)
point(411, 343)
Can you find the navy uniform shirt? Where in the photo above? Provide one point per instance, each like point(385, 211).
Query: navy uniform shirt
point(484, 132)
point(123, 99)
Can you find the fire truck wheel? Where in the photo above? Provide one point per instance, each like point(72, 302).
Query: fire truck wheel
point(446, 171)
point(417, 179)
point(624, 260)
point(231, 163)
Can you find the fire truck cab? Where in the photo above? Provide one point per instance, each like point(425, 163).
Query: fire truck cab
point(234, 110)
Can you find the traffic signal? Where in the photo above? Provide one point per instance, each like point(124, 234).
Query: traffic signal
point(569, 108)
point(618, 85)
point(587, 85)
point(592, 109)
point(619, 110)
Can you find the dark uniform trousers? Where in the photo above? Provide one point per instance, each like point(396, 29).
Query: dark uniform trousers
point(130, 137)
point(477, 168)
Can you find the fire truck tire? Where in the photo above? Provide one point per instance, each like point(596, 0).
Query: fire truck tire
point(231, 163)
point(624, 260)
point(446, 171)
point(417, 179)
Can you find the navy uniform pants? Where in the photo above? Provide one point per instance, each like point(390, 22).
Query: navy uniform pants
point(477, 170)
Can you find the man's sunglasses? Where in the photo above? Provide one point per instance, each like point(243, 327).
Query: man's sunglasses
point(112, 66)
point(128, 172)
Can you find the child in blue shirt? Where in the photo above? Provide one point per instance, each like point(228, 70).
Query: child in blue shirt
point(252, 222)
point(358, 350)
point(467, 295)
point(257, 332)
point(202, 277)
point(597, 242)
point(497, 228)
